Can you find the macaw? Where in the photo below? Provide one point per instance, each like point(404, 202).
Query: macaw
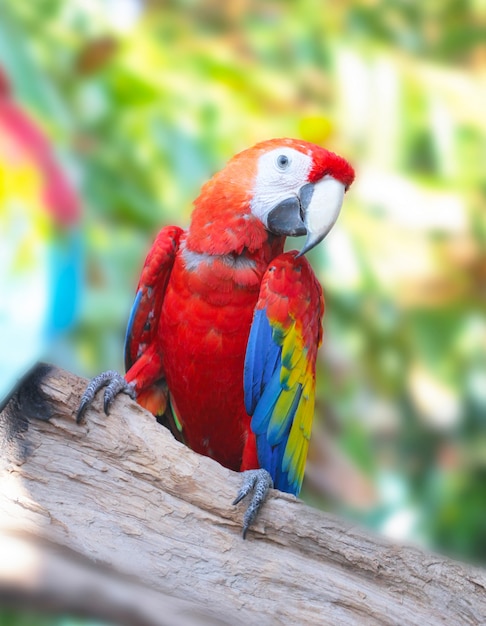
point(222, 338)
point(40, 266)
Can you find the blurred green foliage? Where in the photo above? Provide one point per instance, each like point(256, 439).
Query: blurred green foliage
point(29, 618)
point(145, 102)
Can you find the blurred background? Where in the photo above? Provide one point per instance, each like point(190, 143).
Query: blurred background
point(141, 102)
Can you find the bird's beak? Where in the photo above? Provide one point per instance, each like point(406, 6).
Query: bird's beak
point(323, 204)
point(312, 212)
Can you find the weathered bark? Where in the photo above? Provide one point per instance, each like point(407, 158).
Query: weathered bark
point(115, 518)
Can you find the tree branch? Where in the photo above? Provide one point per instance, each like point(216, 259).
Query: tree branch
point(116, 519)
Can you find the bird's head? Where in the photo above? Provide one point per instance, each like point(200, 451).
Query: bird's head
point(287, 187)
point(299, 189)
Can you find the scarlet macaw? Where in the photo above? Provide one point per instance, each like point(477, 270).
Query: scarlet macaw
point(40, 249)
point(223, 335)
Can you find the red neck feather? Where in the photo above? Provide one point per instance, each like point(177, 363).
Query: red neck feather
point(222, 222)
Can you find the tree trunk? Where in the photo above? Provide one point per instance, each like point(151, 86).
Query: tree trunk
point(114, 518)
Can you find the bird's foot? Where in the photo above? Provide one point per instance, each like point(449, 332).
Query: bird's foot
point(114, 383)
point(259, 482)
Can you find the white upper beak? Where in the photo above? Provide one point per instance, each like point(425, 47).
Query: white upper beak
point(322, 211)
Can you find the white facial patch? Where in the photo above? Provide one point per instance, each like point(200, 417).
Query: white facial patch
point(280, 175)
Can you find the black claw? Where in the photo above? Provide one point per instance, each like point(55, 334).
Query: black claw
point(245, 530)
point(115, 384)
point(81, 410)
point(106, 404)
point(238, 498)
point(260, 482)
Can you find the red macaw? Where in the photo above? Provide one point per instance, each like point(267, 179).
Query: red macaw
point(41, 248)
point(223, 335)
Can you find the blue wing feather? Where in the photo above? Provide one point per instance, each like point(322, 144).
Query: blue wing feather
point(278, 427)
point(263, 388)
point(259, 364)
point(264, 408)
point(128, 334)
point(280, 367)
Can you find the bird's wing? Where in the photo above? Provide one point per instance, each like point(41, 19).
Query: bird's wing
point(279, 374)
point(142, 363)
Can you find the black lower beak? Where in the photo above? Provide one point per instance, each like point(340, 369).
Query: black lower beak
point(287, 218)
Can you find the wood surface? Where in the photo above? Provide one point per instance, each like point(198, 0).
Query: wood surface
point(115, 519)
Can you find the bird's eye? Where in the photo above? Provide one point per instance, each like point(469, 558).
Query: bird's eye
point(283, 161)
